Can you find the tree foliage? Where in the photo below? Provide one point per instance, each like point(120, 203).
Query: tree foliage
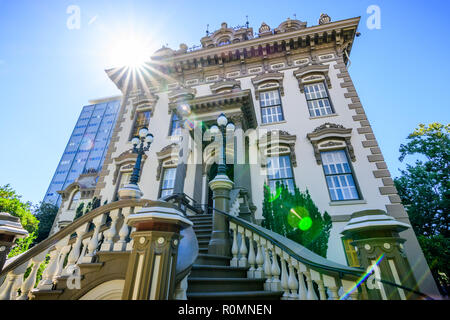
point(11, 203)
point(46, 214)
point(282, 215)
point(424, 188)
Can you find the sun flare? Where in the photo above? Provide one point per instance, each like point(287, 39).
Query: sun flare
point(131, 51)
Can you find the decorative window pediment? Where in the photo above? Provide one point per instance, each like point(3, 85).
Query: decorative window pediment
point(167, 158)
point(225, 86)
point(125, 162)
point(180, 95)
point(312, 73)
point(268, 81)
point(277, 143)
point(143, 101)
point(330, 136)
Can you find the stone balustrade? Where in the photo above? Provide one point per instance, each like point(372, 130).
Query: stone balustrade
point(102, 229)
point(288, 267)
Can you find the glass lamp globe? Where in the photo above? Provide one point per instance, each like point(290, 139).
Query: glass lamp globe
point(222, 120)
point(143, 132)
point(149, 138)
point(214, 129)
point(231, 126)
point(135, 141)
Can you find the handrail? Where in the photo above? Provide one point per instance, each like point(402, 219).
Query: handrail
point(71, 228)
point(286, 245)
point(406, 288)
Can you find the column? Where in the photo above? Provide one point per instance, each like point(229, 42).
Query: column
point(153, 259)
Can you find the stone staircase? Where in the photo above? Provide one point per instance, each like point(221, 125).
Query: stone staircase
point(213, 278)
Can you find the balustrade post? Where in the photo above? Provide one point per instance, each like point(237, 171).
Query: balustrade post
point(242, 249)
point(13, 282)
point(275, 285)
point(259, 272)
point(311, 292)
point(267, 266)
point(234, 248)
point(331, 284)
point(302, 291)
point(121, 244)
point(292, 281)
point(316, 277)
point(284, 278)
point(108, 244)
point(60, 270)
point(76, 249)
point(28, 284)
point(93, 243)
point(251, 255)
point(85, 243)
point(47, 277)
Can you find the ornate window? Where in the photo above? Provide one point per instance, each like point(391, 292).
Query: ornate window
point(313, 80)
point(317, 99)
point(279, 171)
point(76, 197)
point(271, 109)
point(142, 120)
point(332, 150)
point(339, 176)
point(168, 182)
point(175, 125)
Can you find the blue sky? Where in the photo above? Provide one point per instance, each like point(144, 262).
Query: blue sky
point(48, 72)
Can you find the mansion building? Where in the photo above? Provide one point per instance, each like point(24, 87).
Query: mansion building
point(297, 120)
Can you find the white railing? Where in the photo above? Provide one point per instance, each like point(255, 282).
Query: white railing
point(289, 267)
point(66, 251)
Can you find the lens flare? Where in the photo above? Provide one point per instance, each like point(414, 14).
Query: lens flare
point(299, 218)
point(363, 278)
point(272, 196)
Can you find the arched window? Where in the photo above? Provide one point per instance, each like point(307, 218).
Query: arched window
point(75, 199)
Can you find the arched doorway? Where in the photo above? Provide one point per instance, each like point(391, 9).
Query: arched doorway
point(211, 175)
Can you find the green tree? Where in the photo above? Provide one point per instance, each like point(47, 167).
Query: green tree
point(424, 188)
point(45, 213)
point(295, 216)
point(11, 202)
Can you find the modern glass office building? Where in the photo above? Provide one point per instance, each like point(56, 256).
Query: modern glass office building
point(87, 145)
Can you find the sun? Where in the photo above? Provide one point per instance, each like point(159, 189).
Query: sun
point(130, 50)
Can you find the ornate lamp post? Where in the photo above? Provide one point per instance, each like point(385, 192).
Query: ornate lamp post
point(224, 127)
point(141, 144)
point(221, 186)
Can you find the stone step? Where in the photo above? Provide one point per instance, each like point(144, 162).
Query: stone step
point(239, 295)
point(217, 271)
point(212, 259)
point(196, 284)
point(203, 243)
point(203, 236)
point(202, 232)
point(202, 224)
point(200, 217)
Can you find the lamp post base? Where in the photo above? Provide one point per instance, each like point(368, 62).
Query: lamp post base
point(220, 243)
point(130, 191)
